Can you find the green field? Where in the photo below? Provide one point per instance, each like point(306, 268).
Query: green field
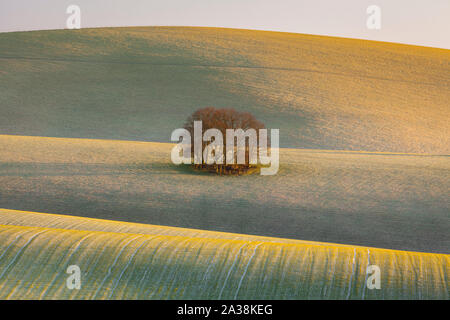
point(395, 201)
point(174, 263)
point(85, 120)
point(142, 83)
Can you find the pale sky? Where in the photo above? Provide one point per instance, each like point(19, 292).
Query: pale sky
point(419, 22)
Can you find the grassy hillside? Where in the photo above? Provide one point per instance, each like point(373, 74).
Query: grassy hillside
point(396, 201)
point(161, 263)
point(307, 232)
point(141, 83)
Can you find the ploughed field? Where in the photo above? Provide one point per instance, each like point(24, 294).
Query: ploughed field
point(121, 260)
point(394, 201)
point(180, 233)
point(142, 83)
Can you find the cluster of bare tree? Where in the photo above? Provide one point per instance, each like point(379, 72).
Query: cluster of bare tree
point(223, 119)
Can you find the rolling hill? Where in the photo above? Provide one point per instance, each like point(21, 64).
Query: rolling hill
point(394, 201)
point(142, 83)
point(175, 263)
point(85, 120)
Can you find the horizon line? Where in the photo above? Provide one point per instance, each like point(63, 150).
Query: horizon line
point(229, 28)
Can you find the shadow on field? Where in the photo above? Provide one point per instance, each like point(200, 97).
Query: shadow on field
point(186, 169)
point(37, 169)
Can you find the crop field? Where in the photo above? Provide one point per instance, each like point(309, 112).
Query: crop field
point(176, 263)
point(394, 201)
point(142, 83)
point(86, 177)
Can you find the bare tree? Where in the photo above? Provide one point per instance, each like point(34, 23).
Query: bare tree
point(223, 119)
